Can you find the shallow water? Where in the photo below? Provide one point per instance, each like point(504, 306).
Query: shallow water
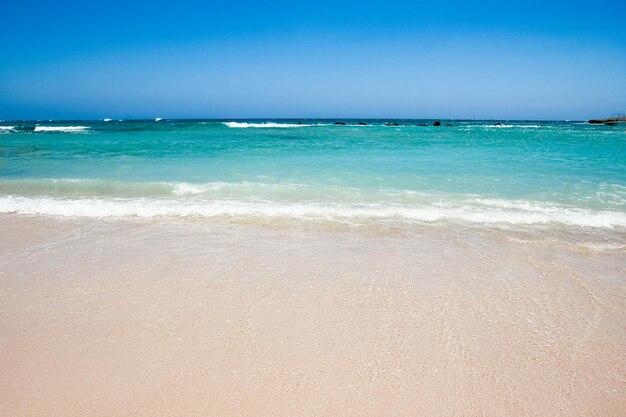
point(192, 317)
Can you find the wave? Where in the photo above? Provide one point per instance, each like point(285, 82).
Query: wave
point(512, 126)
point(101, 188)
point(60, 128)
point(244, 125)
point(185, 188)
point(7, 128)
point(477, 211)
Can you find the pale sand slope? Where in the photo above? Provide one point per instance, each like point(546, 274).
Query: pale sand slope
point(132, 318)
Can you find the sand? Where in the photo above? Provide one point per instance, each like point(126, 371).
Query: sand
point(199, 318)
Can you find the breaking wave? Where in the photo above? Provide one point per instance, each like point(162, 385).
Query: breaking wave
point(473, 211)
point(244, 125)
point(61, 128)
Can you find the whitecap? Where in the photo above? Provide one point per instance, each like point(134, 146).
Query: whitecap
point(503, 126)
point(184, 188)
point(60, 128)
point(244, 125)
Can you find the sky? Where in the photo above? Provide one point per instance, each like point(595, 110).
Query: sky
point(550, 60)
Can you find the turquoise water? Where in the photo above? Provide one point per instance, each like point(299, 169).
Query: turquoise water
point(561, 173)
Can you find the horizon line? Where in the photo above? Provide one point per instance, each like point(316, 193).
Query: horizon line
point(220, 119)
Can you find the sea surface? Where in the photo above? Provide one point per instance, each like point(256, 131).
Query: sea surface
point(524, 173)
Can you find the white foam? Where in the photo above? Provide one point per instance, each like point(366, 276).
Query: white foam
point(6, 128)
point(184, 188)
point(60, 128)
point(106, 120)
point(513, 126)
point(158, 119)
point(244, 125)
point(145, 207)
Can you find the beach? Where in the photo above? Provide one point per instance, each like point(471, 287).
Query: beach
point(140, 317)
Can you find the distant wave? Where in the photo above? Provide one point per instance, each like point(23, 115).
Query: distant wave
point(243, 125)
point(483, 211)
point(7, 128)
point(514, 126)
point(106, 120)
point(60, 128)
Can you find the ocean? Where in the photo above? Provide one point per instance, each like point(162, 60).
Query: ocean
point(522, 173)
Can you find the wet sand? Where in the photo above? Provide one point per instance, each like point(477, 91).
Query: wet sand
point(147, 318)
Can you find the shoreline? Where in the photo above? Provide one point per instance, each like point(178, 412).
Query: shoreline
point(110, 317)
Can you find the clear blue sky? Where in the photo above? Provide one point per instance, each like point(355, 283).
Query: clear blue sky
point(227, 59)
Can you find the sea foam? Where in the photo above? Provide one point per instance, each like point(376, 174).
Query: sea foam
point(243, 125)
point(146, 207)
point(60, 128)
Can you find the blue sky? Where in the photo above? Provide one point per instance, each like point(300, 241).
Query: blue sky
point(228, 59)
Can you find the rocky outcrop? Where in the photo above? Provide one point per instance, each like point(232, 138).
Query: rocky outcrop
point(616, 118)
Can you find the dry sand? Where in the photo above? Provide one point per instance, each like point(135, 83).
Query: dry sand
point(138, 318)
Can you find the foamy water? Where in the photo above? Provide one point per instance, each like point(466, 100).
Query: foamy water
point(243, 125)
point(482, 212)
point(60, 128)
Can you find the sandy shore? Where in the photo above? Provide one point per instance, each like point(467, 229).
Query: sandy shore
point(134, 318)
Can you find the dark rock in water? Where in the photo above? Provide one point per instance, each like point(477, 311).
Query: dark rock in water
point(340, 123)
point(498, 124)
point(362, 123)
point(449, 125)
point(437, 123)
point(299, 123)
point(391, 124)
point(611, 121)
